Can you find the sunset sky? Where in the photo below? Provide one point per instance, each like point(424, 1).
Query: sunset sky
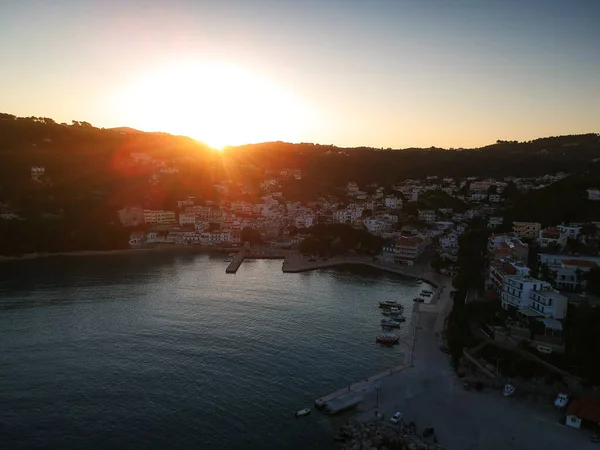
point(393, 73)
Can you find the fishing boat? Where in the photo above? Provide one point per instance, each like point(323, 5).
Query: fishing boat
point(425, 294)
point(418, 300)
point(509, 389)
point(302, 412)
point(390, 323)
point(388, 303)
point(388, 339)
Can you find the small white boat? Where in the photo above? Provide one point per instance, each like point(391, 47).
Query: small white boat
point(302, 412)
point(509, 390)
point(419, 281)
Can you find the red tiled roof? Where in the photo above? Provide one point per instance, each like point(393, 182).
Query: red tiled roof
point(551, 234)
point(587, 408)
point(579, 262)
point(409, 241)
point(509, 268)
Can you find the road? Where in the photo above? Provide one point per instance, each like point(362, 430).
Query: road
point(430, 395)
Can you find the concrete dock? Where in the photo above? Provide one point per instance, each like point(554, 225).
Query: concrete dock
point(239, 258)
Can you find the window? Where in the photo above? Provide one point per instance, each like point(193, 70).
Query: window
point(549, 302)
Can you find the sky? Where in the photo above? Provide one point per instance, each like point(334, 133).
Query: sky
point(381, 73)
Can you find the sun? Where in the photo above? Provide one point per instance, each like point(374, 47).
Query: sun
point(217, 103)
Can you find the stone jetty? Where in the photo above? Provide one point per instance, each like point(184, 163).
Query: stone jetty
point(381, 435)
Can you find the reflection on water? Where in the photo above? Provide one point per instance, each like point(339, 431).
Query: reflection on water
point(168, 351)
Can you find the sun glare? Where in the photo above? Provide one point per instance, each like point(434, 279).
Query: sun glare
point(218, 104)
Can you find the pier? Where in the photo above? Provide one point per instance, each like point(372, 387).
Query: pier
point(239, 257)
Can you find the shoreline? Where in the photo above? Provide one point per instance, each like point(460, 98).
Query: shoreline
point(125, 251)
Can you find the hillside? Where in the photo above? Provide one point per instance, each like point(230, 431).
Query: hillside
point(562, 202)
point(89, 173)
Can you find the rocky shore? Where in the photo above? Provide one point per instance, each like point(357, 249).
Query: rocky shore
point(379, 435)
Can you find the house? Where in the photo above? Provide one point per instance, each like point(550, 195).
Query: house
point(572, 231)
point(392, 202)
point(352, 188)
point(477, 196)
point(37, 172)
point(187, 219)
point(552, 236)
point(132, 216)
point(495, 198)
point(570, 273)
point(593, 194)
point(494, 222)
point(159, 216)
point(427, 215)
point(586, 409)
point(408, 249)
point(527, 230)
point(507, 245)
point(501, 268)
point(136, 239)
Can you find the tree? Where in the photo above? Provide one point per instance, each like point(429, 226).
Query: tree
point(251, 235)
point(593, 281)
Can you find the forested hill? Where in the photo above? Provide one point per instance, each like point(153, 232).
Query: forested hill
point(562, 202)
point(363, 165)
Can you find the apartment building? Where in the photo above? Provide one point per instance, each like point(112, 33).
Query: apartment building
point(527, 230)
point(533, 298)
point(159, 217)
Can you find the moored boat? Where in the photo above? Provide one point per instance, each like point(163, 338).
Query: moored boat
point(418, 300)
point(390, 323)
point(419, 281)
point(388, 303)
point(302, 412)
point(509, 389)
point(387, 339)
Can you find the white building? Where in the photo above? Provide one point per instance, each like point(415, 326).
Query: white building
point(427, 215)
point(187, 219)
point(593, 194)
point(494, 222)
point(571, 231)
point(551, 236)
point(533, 298)
point(392, 202)
point(159, 216)
point(37, 172)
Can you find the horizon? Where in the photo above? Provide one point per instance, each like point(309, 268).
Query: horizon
point(309, 143)
point(350, 74)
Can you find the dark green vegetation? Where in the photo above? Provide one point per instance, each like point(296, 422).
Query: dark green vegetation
point(337, 239)
point(471, 262)
point(562, 202)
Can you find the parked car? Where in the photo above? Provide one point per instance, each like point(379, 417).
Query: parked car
point(396, 418)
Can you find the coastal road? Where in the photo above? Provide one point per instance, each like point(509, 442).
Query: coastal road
point(430, 395)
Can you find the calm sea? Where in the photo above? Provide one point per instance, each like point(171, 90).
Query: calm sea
point(167, 351)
